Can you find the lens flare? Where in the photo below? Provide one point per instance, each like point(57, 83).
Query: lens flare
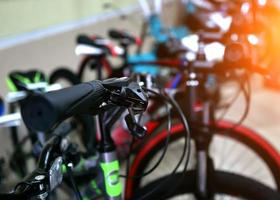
point(253, 39)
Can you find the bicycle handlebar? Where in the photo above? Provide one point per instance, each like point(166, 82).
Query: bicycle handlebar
point(42, 112)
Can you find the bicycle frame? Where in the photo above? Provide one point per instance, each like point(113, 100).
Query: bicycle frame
point(106, 95)
point(109, 163)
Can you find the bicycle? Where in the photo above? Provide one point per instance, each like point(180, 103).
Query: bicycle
point(43, 112)
point(272, 157)
point(21, 85)
point(268, 153)
point(152, 26)
point(48, 110)
point(267, 145)
point(199, 106)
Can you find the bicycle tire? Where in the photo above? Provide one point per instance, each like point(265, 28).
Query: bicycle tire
point(221, 183)
point(246, 136)
point(66, 74)
point(83, 64)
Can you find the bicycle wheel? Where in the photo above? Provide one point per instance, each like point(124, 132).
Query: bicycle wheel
point(65, 77)
point(236, 150)
point(223, 185)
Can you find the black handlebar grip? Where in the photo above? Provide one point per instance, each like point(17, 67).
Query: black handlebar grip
point(42, 112)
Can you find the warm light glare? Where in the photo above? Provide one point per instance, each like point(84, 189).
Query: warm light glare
point(234, 37)
point(190, 56)
point(190, 42)
point(245, 7)
point(253, 39)
point(262, 2)
point(222, 21)
point(214, 51)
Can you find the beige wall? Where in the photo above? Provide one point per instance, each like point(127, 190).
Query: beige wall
point(23, 16)
point(48, 53)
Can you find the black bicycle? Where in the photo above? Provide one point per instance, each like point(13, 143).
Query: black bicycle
point(43, 112)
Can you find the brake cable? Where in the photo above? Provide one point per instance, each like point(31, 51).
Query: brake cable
point(188, 139)
point(187, 147)
point(233, 100)
point(72, 181)
point(162, 155)
point(247, 95)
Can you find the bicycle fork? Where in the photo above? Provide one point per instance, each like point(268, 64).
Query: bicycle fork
point(205, 164)
point(200, 111)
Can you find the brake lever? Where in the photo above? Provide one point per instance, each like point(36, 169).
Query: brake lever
point(127, 94)
point(131, 96)
point(135, 128)
point(115, 83)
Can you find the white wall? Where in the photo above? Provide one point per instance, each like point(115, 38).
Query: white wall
point(48, 53)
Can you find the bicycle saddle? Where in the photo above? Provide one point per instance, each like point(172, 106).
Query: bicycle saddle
point(124, 37)
point(20, 81)
point(96, 46)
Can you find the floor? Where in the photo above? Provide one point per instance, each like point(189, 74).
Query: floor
point(264, 114)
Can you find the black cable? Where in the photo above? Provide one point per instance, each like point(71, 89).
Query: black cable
point(247, 95)
point(188, 152)
point(128, 156)
point(75, 188)
point(187, 147)
point(165, 146)
point(230, 103)
point(228, 106)
point(162, 155)
point(246, 91)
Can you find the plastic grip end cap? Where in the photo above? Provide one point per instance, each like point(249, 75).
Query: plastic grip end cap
point(38, 114)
